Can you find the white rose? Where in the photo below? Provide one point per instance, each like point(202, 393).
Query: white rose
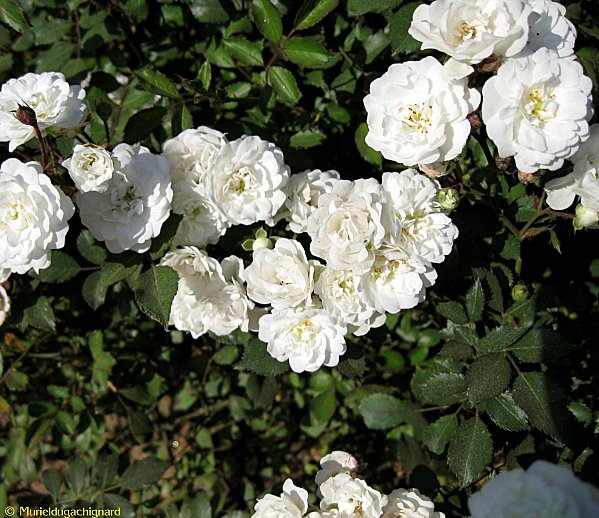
point(351, 497)
point(413, 217)
point(549, 28)
point(409, 503)
point(282, 277)
point(334, 463)
point(417, 114)
point(536, 109)
point(136, 203)
point(398, 280)
point(346, 226)
point(247, 180)
point(303, 191)
point(4, 298)
point(58, 106)
point(33, 217)
point(472, 30)
point(90, 167)
point(343, 295)
point(293, 503)
point(544, 489)
point(308, 338)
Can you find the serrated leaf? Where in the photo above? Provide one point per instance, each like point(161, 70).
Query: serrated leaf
point(312, 11)
point(366, 152)
point(323, 406)
point(352, 364)
point(155, 290)
point(360, 7)
point(261, 390)
point(200, 506)
point(158, 83)
point(444, 388)
point(76, 475)
point(505, 413)
point(140, 125)
point(306, 139)
point(452, 311)
point(496, 299)
point(268, 20)
point(12, 15)
point(540, 345)
point(40, 315)
point(105, 469)
point(543, 401)
point(382, 411)
point(62, 268)
point(307, 52)
point(256, 359)
point(438, 434)
point(89, 248)
point(208, 11)
point(52, 480)
point(475, 301)
point(114, 501)
point(244, 51)
point(143, 473)
point(487, 377)
point(499, 339)
point(457, 350)
point(284, 84)
point(401, 41)
point(581, 411)
point(96, 285)
point(470, 450)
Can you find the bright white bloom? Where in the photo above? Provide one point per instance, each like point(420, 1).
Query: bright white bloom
point(351, 497)
point(282, 277)
point(472, 30)
point(398, 280)
point(4, 298)
point(583, 181)
point(293, 503)
point(33, 217)
point(549, 28)
point(346, 227)
point(332, 513)
point(413, 217)
point(136, 203)
point(343, 296)
point(247, 181)
point(303, 191)
point(334, 463)
point(545, 489)
point(409, 503)
point(585, 217)
point(417, 114)
point(536, 109)
point(58, 106)
point(90, 167)
point(308, 338)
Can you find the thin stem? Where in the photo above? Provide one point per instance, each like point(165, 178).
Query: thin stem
point(40, 139)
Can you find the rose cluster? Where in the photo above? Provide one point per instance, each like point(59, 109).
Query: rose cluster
point(536, 107)
point(344, 495)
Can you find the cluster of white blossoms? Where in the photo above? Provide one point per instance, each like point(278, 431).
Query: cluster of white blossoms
point(536, 108)
point(544, 489)
point(344, 495)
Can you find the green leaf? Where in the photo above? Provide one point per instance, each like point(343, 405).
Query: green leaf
point(444, 388)
point(452, 311)
point(488, 377)
point(76, 475)
point(268, 20)
point(208, 11)
point(306, 139)
point(40, 315)
point(205, 74)
point(105, 469)
point(158, 83)
point(261, 390)
point(244, 51)
point(12, 15)
point(200, 506)
point(475, 301)
point(114, 501)
point(89, 248)
point(505, 413)
point(323, 406)
point(540, 345)
point(581, 411)
point(543, 401)
point(312, 11)
point(470, 450)
point(438, 434)
point(457, 350)
point(256, 359)
point(284, 84)
point(155, 290)
point(52, 31)
point(307, 52)
point(353, 364)
point(52, 479)
point(62, 268)
point(367, 153)
point(360, 7)
point(143, 473)
point(65, 422)
point(511, 248)
point(499, 339)
point(382, 411)
point(140, 125)
point(96, 285)
point(401, 41)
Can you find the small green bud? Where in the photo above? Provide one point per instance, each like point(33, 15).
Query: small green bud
point(585, 218)
point(261, 242)
point(519, 292)
point(448, 198)
point(261, 233)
